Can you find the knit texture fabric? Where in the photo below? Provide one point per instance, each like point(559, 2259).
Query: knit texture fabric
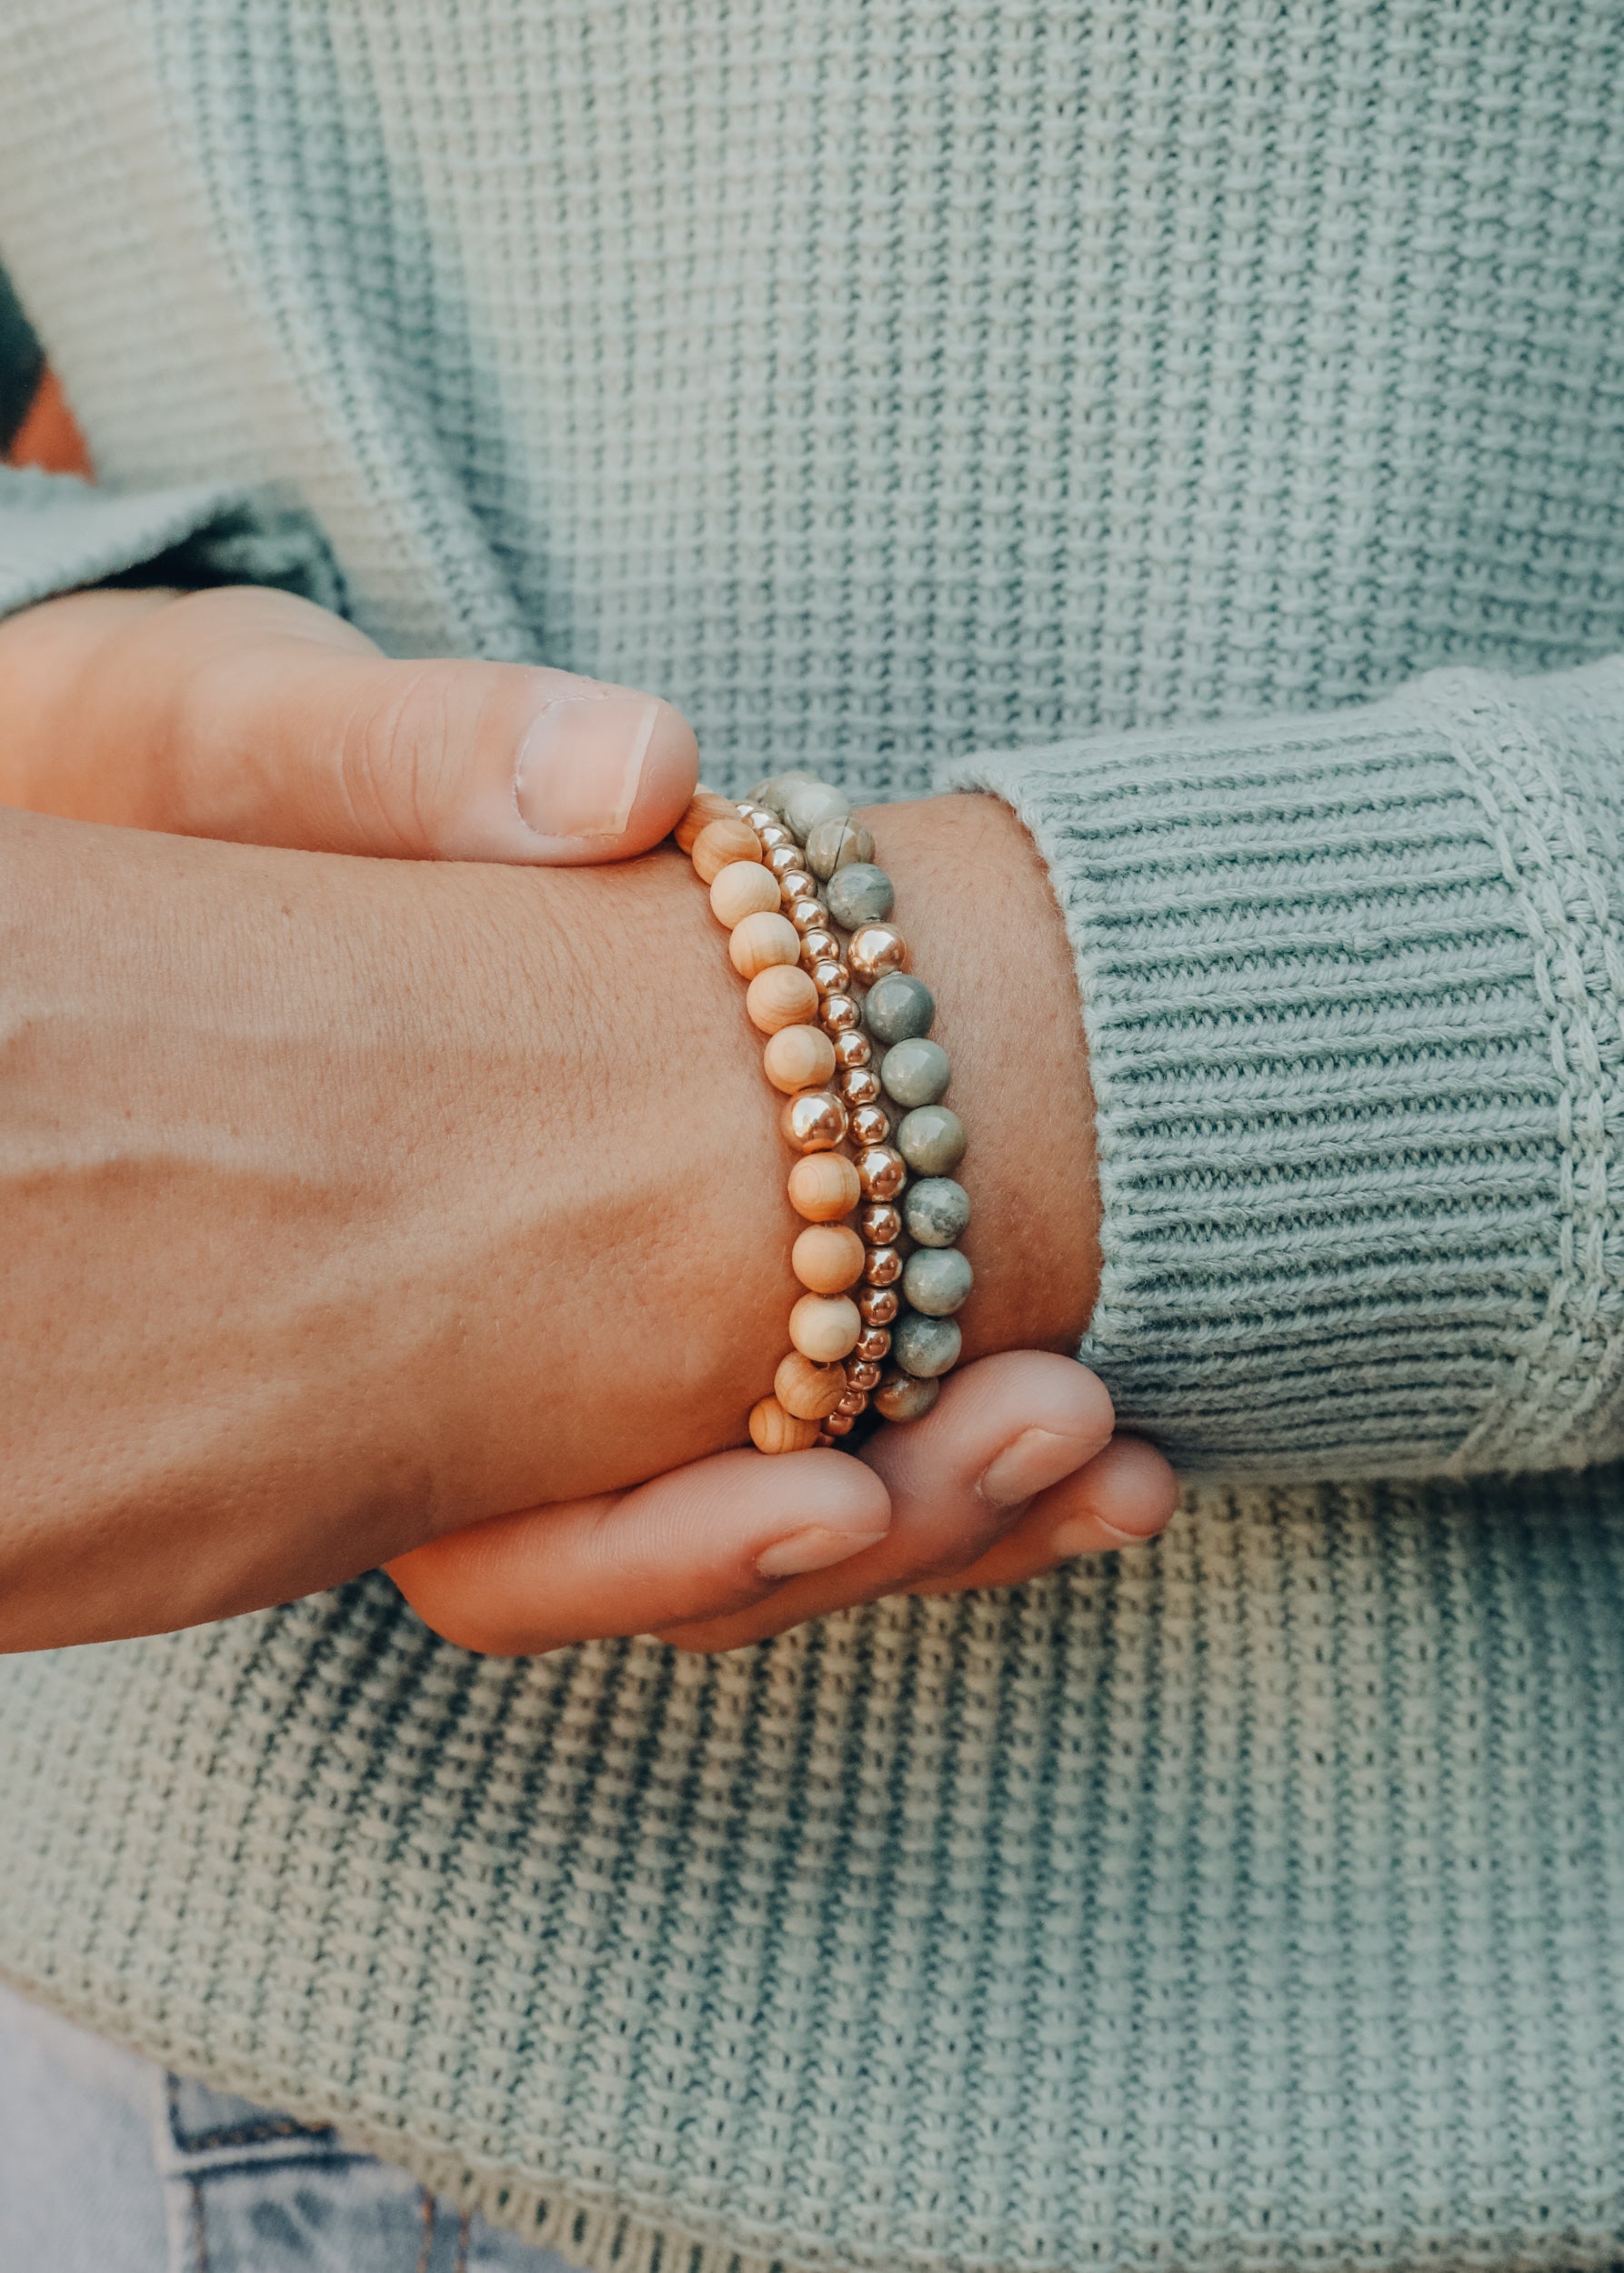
point(1118, 409)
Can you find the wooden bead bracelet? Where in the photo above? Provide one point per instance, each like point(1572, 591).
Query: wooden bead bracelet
point(789, 871)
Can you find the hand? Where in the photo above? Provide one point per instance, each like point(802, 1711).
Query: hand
point(221, 705)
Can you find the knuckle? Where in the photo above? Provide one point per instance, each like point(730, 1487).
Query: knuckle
point(394, 750)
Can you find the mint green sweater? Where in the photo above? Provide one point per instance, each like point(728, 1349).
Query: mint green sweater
point(1202, 424)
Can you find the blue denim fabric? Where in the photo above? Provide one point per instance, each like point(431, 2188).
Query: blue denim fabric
point(107, 2165)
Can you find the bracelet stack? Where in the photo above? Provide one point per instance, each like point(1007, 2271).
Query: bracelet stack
point(790, 870)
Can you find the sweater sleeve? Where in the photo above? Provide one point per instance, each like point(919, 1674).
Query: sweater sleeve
point(1353, 989)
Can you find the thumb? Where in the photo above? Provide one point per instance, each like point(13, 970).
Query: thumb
point(253, 715)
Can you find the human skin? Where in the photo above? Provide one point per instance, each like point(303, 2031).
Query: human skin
point(466, 1122)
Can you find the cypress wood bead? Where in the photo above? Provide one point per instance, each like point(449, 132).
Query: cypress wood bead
point(877, 950)
point(870, 1124)
point(720, 841)
point(772, 1430)
point(915, 1072)
point(742, 888)
point(860, 894)
point(902, 1397)
point(824, 1327)
point(810, 1392)
point(832, 844)
point(824, 1186)
point(798, 1058)
point(878, 1304)
point(852, 1049)
point(759, 942)
point(839, 1014)
point(781, 995)
point(882, 1171)
point(926, 1347)
point(931, 1139)
point(936, 1280)
point(898, 1007)
point(828, 1259)
point(813, 1120)
point(704, 807)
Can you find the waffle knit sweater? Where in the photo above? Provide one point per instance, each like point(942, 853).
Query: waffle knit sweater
point(1203, 425)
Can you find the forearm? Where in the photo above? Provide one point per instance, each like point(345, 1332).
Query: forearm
point(351, 1202)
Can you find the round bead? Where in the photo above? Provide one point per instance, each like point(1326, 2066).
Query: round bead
point(862, 1372)
point(873, 1343)
point(824, 1186)
point(810, 802)
point(775, 790)
point(839, 1014)
point(704, 807)
point(854, 1402)
point(759, 942)
point(772, 1430)
point(882, 1171)
point(784, 860)
point(757, 816)
point(925, 1346)
point(808, 1391)
point(807, 916)
point(898, 1008)
point(771, 834)
point(936, 1280)
point(798, 1058)
point(852, 1049)
point(828, 1257)
point(818, 946)
point(931, 1138)
point(878, 1304)
point(830, 977)
point(795, 883)
point(860, 895)
point(814, 1120)
point(870, 1124)
point(882, 1266)
point(901, 1397)
point(824, 1327)
point(880, 1224)
point(833, 845)
point(837, 1425)
point(876, 950)
point(860, 1085)
point(936, 1210)
point(717, 843)
point(915, 1072)
point(742, 888)
point(780, 996)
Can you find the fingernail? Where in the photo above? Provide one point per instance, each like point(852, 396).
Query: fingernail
point(1037, 1458)
point(815, 1549)
point(580, 764)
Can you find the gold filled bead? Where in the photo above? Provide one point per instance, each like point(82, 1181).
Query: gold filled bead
point(873, 1344)
point(830, 977)
point(818, 946)
point(880, 1224)
point(852, 1049)
point(783, 995)
point(862, 1372)
point(828, 1257)
point(878, 1304)
point(761, 941)
point(860, 1085)
point(772, 1430)
point(870, 1124)
point(795, 883)
point(798, 1058)
point(772, 834)
point(807, 915)
point(876, 950)
point(882, 1266)
point(718, 843)
point(742, 888)
point(823, 1187)
point(783, 860)
point(837, 1425)
point(881, 1171)
point(757, 816)
point(810, 1392)
point(824, 1327)
point(839, 1014)
point(854, 1402)
point(704, 808)
point(814, 1120)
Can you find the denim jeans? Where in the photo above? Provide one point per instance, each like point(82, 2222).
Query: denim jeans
point(108, 2165)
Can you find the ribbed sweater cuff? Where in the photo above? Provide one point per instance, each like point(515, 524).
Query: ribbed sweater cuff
point(1353, 1020)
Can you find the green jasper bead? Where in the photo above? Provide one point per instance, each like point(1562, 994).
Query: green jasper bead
point(926, 1347)
point(915, 1072)
point(935, 1211)
point(836, 844)
point(931, 1139)
point(773, 794)
point(810, 802)
point(902, 1397)
point(861, 894)
point(936, 1280)
point(898, 1008)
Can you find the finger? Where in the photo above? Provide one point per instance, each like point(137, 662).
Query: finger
point(253, 715)
point(1002, 1431)
point(701, 1542)
point(1125, 1496)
